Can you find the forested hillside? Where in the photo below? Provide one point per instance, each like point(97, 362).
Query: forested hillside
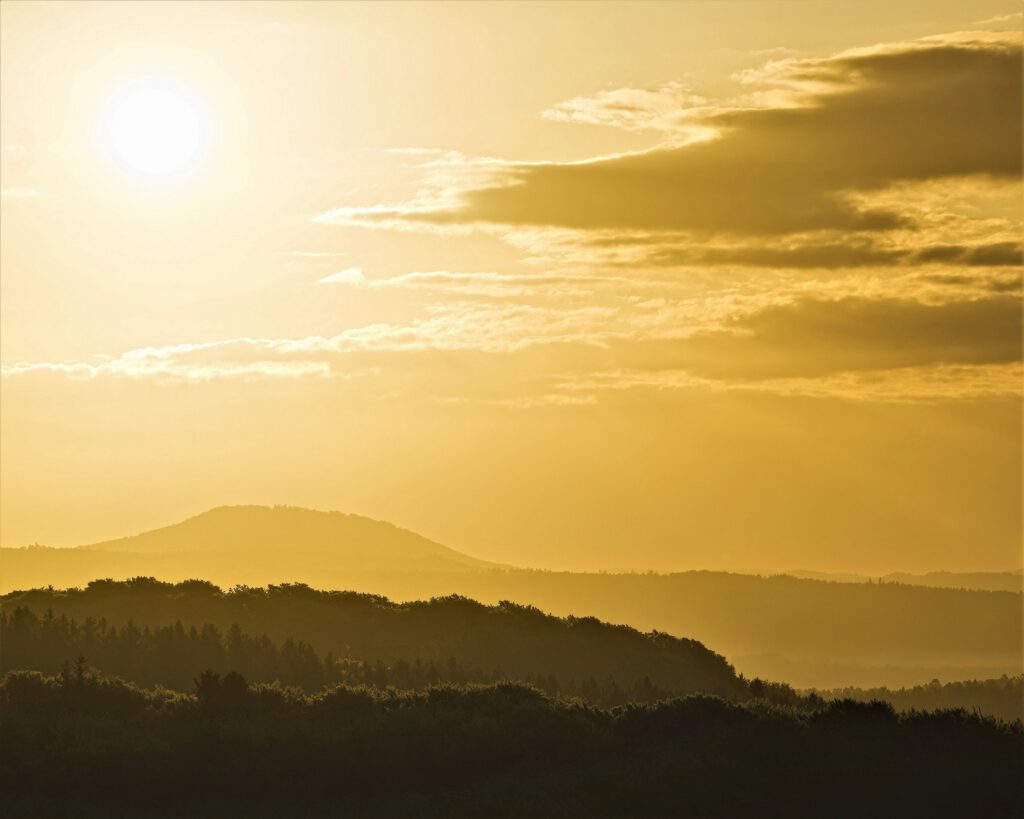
point(812, 633)
point(1002, 697)
point(174, 657)
point(182, 626)
point(92, 747)
point(166, 634)
point(979, 581)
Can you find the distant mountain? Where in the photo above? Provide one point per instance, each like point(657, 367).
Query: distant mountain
point(294, 533)
point(806, 632)
point(982, 581)
point(986, 581)
point(247, 545)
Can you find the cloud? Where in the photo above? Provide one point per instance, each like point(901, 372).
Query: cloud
point(974, 285)
point(853, 252)
point(350, 275)
point(177, 369)
point(995, 254)
point(813, 337)
point(1014, 19)
point(486, 283)
point(450, 327)
point(819, 252)
point(869, 348)
point(671, 108)
point(943, 382)
point(812, 151)
point(927, 111)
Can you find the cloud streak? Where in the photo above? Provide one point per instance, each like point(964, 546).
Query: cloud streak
point(810, 152)
point(813, 337)
point(534, 356)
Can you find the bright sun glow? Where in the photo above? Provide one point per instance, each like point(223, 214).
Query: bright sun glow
point(156, 130)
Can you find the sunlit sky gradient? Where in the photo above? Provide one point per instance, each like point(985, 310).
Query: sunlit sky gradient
point(724, 285)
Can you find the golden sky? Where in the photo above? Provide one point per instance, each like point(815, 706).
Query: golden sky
point(695, 285)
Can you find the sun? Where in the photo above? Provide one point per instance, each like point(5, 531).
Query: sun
point(155, 129)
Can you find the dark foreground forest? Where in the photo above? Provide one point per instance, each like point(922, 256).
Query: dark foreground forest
point(163, 634)
point(171, 656)
point(82, 745)
point(144, 698)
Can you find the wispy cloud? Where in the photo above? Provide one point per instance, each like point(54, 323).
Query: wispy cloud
point(486, 283)
point(1014, 19)
point(350, 275)
point(671, 108)
point(943, 382)
point(811, 151)
point(866, 348)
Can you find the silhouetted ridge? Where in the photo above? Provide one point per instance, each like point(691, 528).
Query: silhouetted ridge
point(82, 745)
point(505, 640)
point(1012, 581)
point(288, 529)
point(807, 632)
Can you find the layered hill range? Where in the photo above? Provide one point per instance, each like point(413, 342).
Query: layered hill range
point(288, 541)
point(981, 581)
point(808, 632)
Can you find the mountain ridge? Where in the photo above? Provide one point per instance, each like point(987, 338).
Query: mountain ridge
point(822, 634)
point(253, 528)
point(1009, 580)
point(256, 527)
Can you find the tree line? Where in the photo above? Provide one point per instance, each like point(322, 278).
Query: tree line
point(520, 641)
point(171, 656)
point(1002, 697)
point(86, 745)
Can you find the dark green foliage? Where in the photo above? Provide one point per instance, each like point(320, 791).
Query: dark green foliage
point(91, 746)
point(798, 630)
point(1002, 697)
point(164, 633)
point(260, 726)
point(171, 656)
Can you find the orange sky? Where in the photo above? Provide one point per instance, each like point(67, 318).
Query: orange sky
point(725, 285)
